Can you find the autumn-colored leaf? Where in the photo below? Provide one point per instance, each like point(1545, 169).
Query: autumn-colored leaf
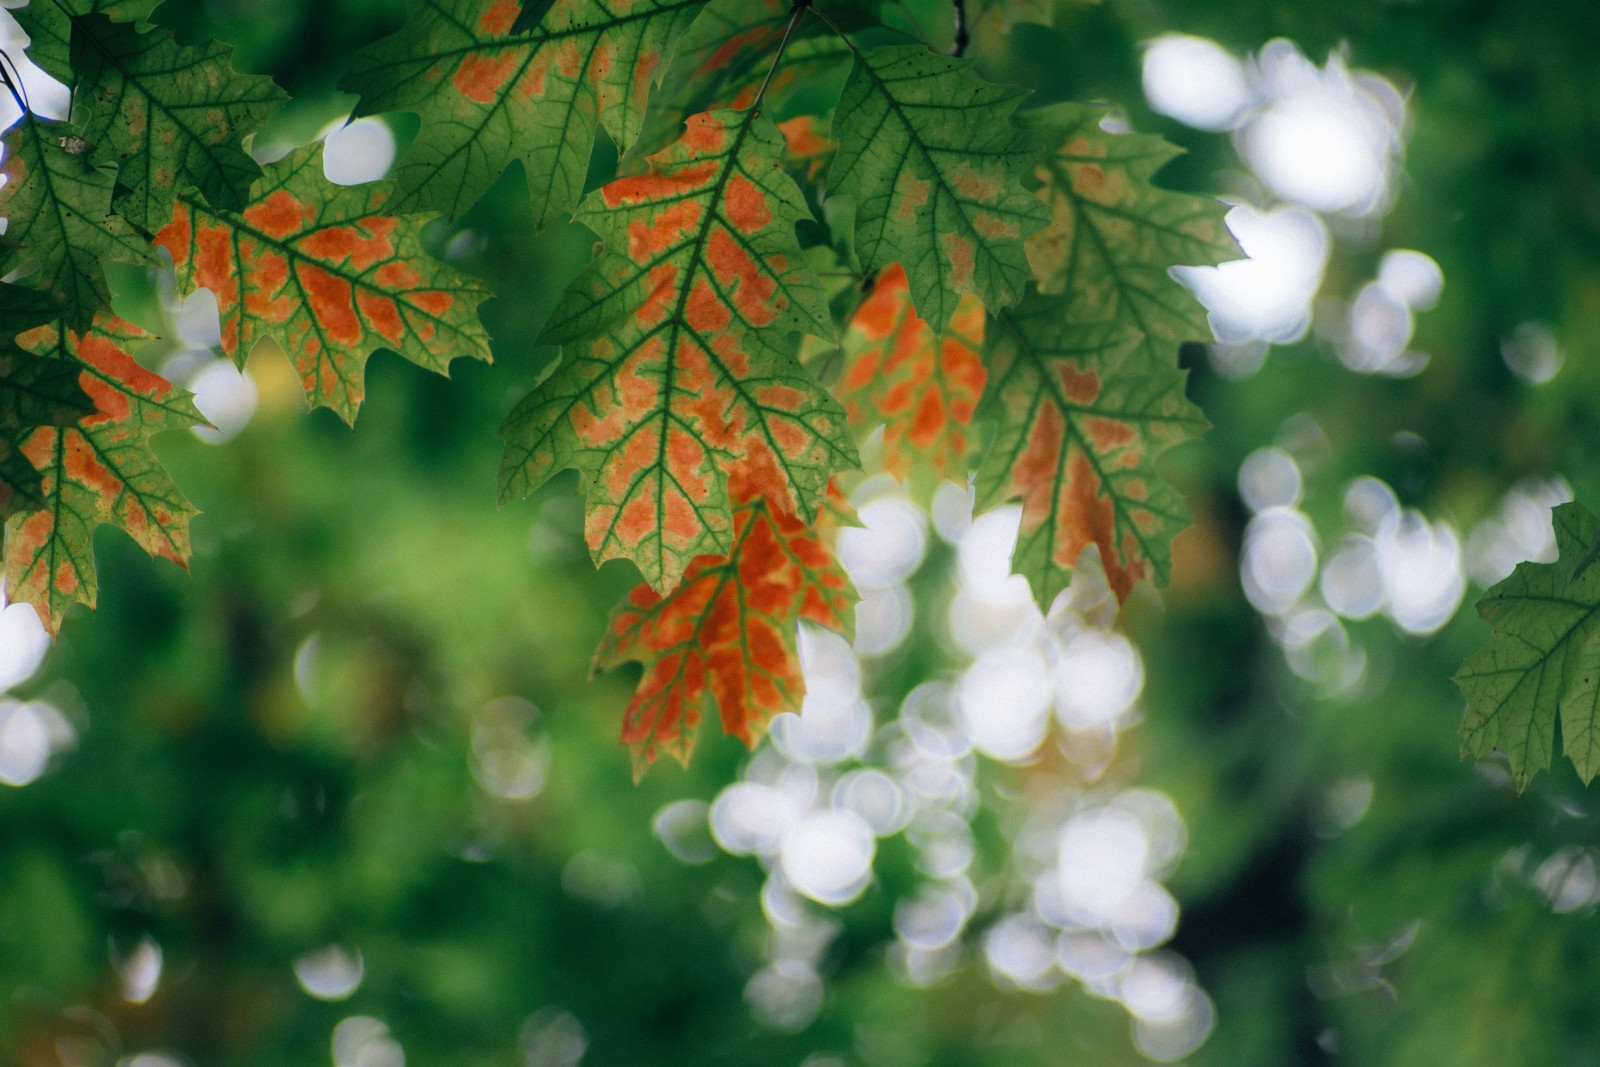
point(48, 24)
point(922, 387)
point(99, 470)
point(489, 93)
point(22, 308)
point(677, 369)
point(724, 642)
point(934, 163)
point(329, 274)
point(1542, 663)
point(1078, 423)
point(58, 212)
point(33, 392)
point(1114, 236)
point(170, 117)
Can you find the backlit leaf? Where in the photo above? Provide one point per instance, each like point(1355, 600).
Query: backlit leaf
point(1079, 421)
point(58, 213)
point(99, 470)
point(48, 24)
point(934, 163)
point(724, 642)
point(677, 369)
point(168, 116)
point(33, 392)
point(329, 274)
point(488, 93)
point(1114, 236)
point(1541, 666)
point(922, 387)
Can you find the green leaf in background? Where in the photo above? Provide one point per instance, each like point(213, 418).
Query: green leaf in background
point(488, 94)
point(58, 212)
point(170, 117)
point(930, 155)
point(1114, 235)
point(1079, 422)
point(1541, 667)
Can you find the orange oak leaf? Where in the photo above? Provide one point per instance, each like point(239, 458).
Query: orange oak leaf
point(490, 90)
point(921, 387)
point(330, 275)
point(1079, 421)
point(97, 471)
point(678, 372)
point(726, 640)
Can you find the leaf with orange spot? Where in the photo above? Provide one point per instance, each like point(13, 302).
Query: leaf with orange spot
point(722, 60)
point(1114, 236)
point(922, 387)
point(169, 116)
point(678, 369)
point(724, 642)
point(928, 152)
point(33, 392)
point(489, 94)
point(97, 471)
point(1079, 422)
point(330, 275)
point(48, 24)
point(58, 213)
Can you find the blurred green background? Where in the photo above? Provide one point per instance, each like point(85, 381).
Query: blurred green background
point(345, 794)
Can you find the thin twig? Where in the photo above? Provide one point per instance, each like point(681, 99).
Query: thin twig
point(788, 32)
point(11, 77)
point(963, 38)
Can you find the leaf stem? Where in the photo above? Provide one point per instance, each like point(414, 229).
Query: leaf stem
point(11, 78)
point(800, 8)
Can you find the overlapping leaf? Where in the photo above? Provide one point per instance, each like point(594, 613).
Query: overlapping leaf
point(724, 641)
point(327, 272)
point(58, 213)
point(99, 470)
point(1541, 667)
point(934, 163)
point(488, 93)
point(922, 387)
point(677, 371)
point(170, 117)
point(33, 392)
point(1114, 236)
point(48, 24)
point(1078, 424)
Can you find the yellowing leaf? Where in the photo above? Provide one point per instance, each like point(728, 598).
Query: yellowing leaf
point(678, 373)
point(330, 275)
point(725, 640)
point(99, 470)
point(1079, 421)
point(489, 92)
point(1542, 663)
point(168, 116)
point(922, 387)
point(929, 154)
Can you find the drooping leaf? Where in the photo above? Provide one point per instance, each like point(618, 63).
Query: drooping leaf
point(922, 387)
point(1541, 667)
point(33, 392)
point(327, 272)
point(99, 470)
point(489, 93)
point(58, 213)
point(724, 642)
point(930, 155)
point(170, 117)
point(1078, 423)
point(48, 24)
point(677, 372)
point(1114, 235)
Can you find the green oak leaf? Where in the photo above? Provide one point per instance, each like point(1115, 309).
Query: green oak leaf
point(930, 155)
point(1541, 666)
point(170, 117)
